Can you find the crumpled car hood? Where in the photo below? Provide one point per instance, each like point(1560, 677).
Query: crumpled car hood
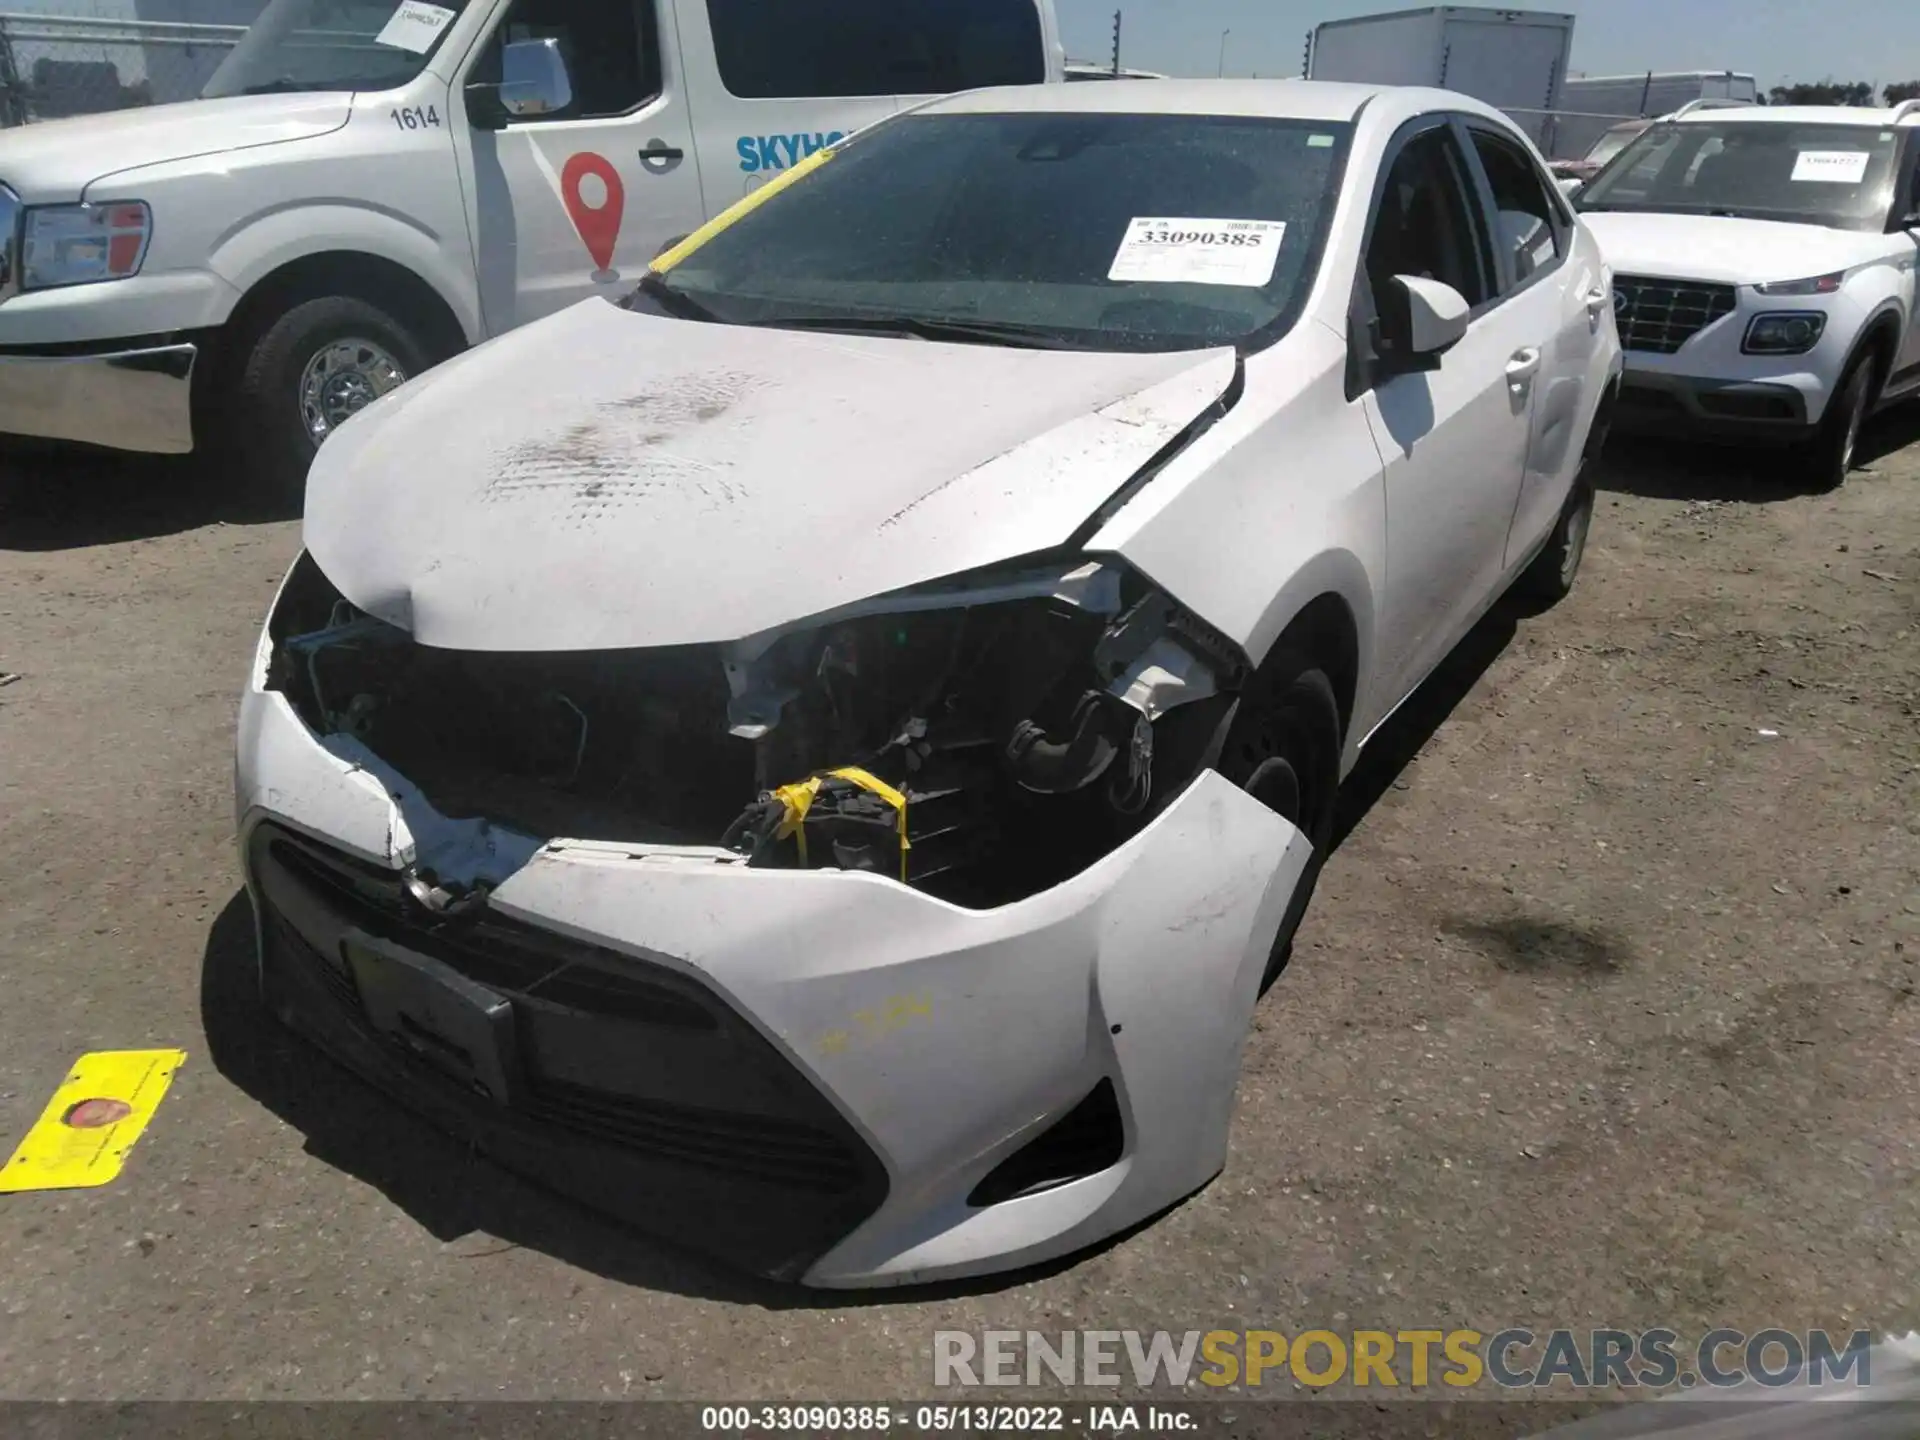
point(605, 479)
point(1726, 249)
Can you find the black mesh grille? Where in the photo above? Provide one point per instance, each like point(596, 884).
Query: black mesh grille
point(519, 961)
point(1659, 316)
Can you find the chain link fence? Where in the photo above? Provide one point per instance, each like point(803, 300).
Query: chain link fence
point(58, 65)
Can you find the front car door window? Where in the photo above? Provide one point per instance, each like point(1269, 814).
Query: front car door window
point(611, 50)
point(1427, 225)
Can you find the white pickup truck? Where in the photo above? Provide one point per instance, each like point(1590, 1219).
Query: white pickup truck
point(367, 187)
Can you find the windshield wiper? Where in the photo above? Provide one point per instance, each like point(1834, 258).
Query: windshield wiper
point(971, 332)
point(676, 303)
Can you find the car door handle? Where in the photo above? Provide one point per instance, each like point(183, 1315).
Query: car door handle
point(658, 150)
point(1523, 367)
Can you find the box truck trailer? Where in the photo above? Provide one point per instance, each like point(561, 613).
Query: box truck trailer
point(1513, 59)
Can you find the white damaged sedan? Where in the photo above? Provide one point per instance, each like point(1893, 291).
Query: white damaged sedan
point(819, 758)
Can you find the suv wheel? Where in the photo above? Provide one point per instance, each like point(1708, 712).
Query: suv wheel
point(1829, 456)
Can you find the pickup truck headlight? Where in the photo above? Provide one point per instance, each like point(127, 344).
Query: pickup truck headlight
point(78, 244)
point(1784, 332)
point(1817, 285)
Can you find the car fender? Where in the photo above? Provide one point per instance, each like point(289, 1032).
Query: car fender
point(1278, 504)
point(262, 244)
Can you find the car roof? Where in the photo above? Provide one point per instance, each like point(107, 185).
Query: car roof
point(1802, 115)
point(1320, 100)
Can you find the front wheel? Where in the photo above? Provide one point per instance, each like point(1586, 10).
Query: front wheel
point(1284, 751)
point(1829, 456)
point(306, 374)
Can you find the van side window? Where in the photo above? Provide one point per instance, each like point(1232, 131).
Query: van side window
point(612, 50)
point(1426, 226)
point(874, 47)
point(1524, 215)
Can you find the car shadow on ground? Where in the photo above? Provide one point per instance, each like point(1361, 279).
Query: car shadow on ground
point(1406, 733)
point(454, 1192)
point(1678, 470)
point(65, 498)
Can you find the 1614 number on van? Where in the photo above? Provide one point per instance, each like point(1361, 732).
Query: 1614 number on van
point(416, 117)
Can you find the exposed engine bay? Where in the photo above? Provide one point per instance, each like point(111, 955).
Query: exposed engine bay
point(981, 742)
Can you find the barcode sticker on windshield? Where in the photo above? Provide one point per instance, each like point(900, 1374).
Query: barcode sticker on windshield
point(1167, 251)
point(414, 26)
point(1833, 167)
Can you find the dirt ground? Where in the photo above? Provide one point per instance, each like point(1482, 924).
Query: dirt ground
point(1605, 1015)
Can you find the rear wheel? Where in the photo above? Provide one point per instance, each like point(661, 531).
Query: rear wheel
point(307, 373)
point(1284, 750)
point(1829, 456)
point(1550, 578)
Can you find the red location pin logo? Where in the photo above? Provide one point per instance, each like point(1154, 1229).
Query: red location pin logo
point(597, 223)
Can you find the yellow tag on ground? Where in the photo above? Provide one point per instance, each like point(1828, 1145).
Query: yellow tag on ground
point(84, 1135)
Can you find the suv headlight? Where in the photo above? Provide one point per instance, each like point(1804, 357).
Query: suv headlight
point(1784, 332)
point(1817, 285)
point(78, 244)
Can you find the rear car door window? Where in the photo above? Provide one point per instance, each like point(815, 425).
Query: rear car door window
point(1529, 227)
point(838, 48)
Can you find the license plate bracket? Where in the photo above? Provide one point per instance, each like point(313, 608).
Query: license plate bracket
point(454, 1024)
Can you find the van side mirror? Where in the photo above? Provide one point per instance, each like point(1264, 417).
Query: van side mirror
point(534, 79)
point(1420, 320)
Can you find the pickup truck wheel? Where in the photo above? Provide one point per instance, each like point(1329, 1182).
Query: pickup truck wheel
point(1829, 456)
point(309, 372)
point(1284, 750)
point(1550, 578)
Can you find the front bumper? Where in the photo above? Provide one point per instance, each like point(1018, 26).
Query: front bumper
point(1691, 406)
point(900, 1046)
point(125, 396)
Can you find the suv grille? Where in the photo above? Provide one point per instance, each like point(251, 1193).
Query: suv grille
point(1662, 315)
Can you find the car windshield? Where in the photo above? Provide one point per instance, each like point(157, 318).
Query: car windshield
point(1840, 175)
point(333, 45)
point(1065, 230)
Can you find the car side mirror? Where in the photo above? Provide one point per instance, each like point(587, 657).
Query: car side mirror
point(1420, 320)
point(1572, 185)
point(534, 79)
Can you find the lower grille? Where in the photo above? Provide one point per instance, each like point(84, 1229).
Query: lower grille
point(1660, 316)
point(614, 1056)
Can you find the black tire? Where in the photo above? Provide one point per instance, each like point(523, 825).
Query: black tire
point(1284, 749)
point(264, 418)
point(1551, 576)
point(1828, 457)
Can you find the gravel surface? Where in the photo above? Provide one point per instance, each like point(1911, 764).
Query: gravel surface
point(1605, 1015)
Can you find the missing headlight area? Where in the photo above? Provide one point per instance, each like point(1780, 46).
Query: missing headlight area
point(981, 743)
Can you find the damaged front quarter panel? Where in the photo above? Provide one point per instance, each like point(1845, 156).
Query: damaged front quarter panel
point(981, 739)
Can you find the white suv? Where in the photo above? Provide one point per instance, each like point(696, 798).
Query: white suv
point(1764, 265)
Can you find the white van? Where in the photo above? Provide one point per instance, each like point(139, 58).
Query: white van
point(369, 186)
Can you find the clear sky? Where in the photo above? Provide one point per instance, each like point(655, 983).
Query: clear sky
point(1777, 40)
